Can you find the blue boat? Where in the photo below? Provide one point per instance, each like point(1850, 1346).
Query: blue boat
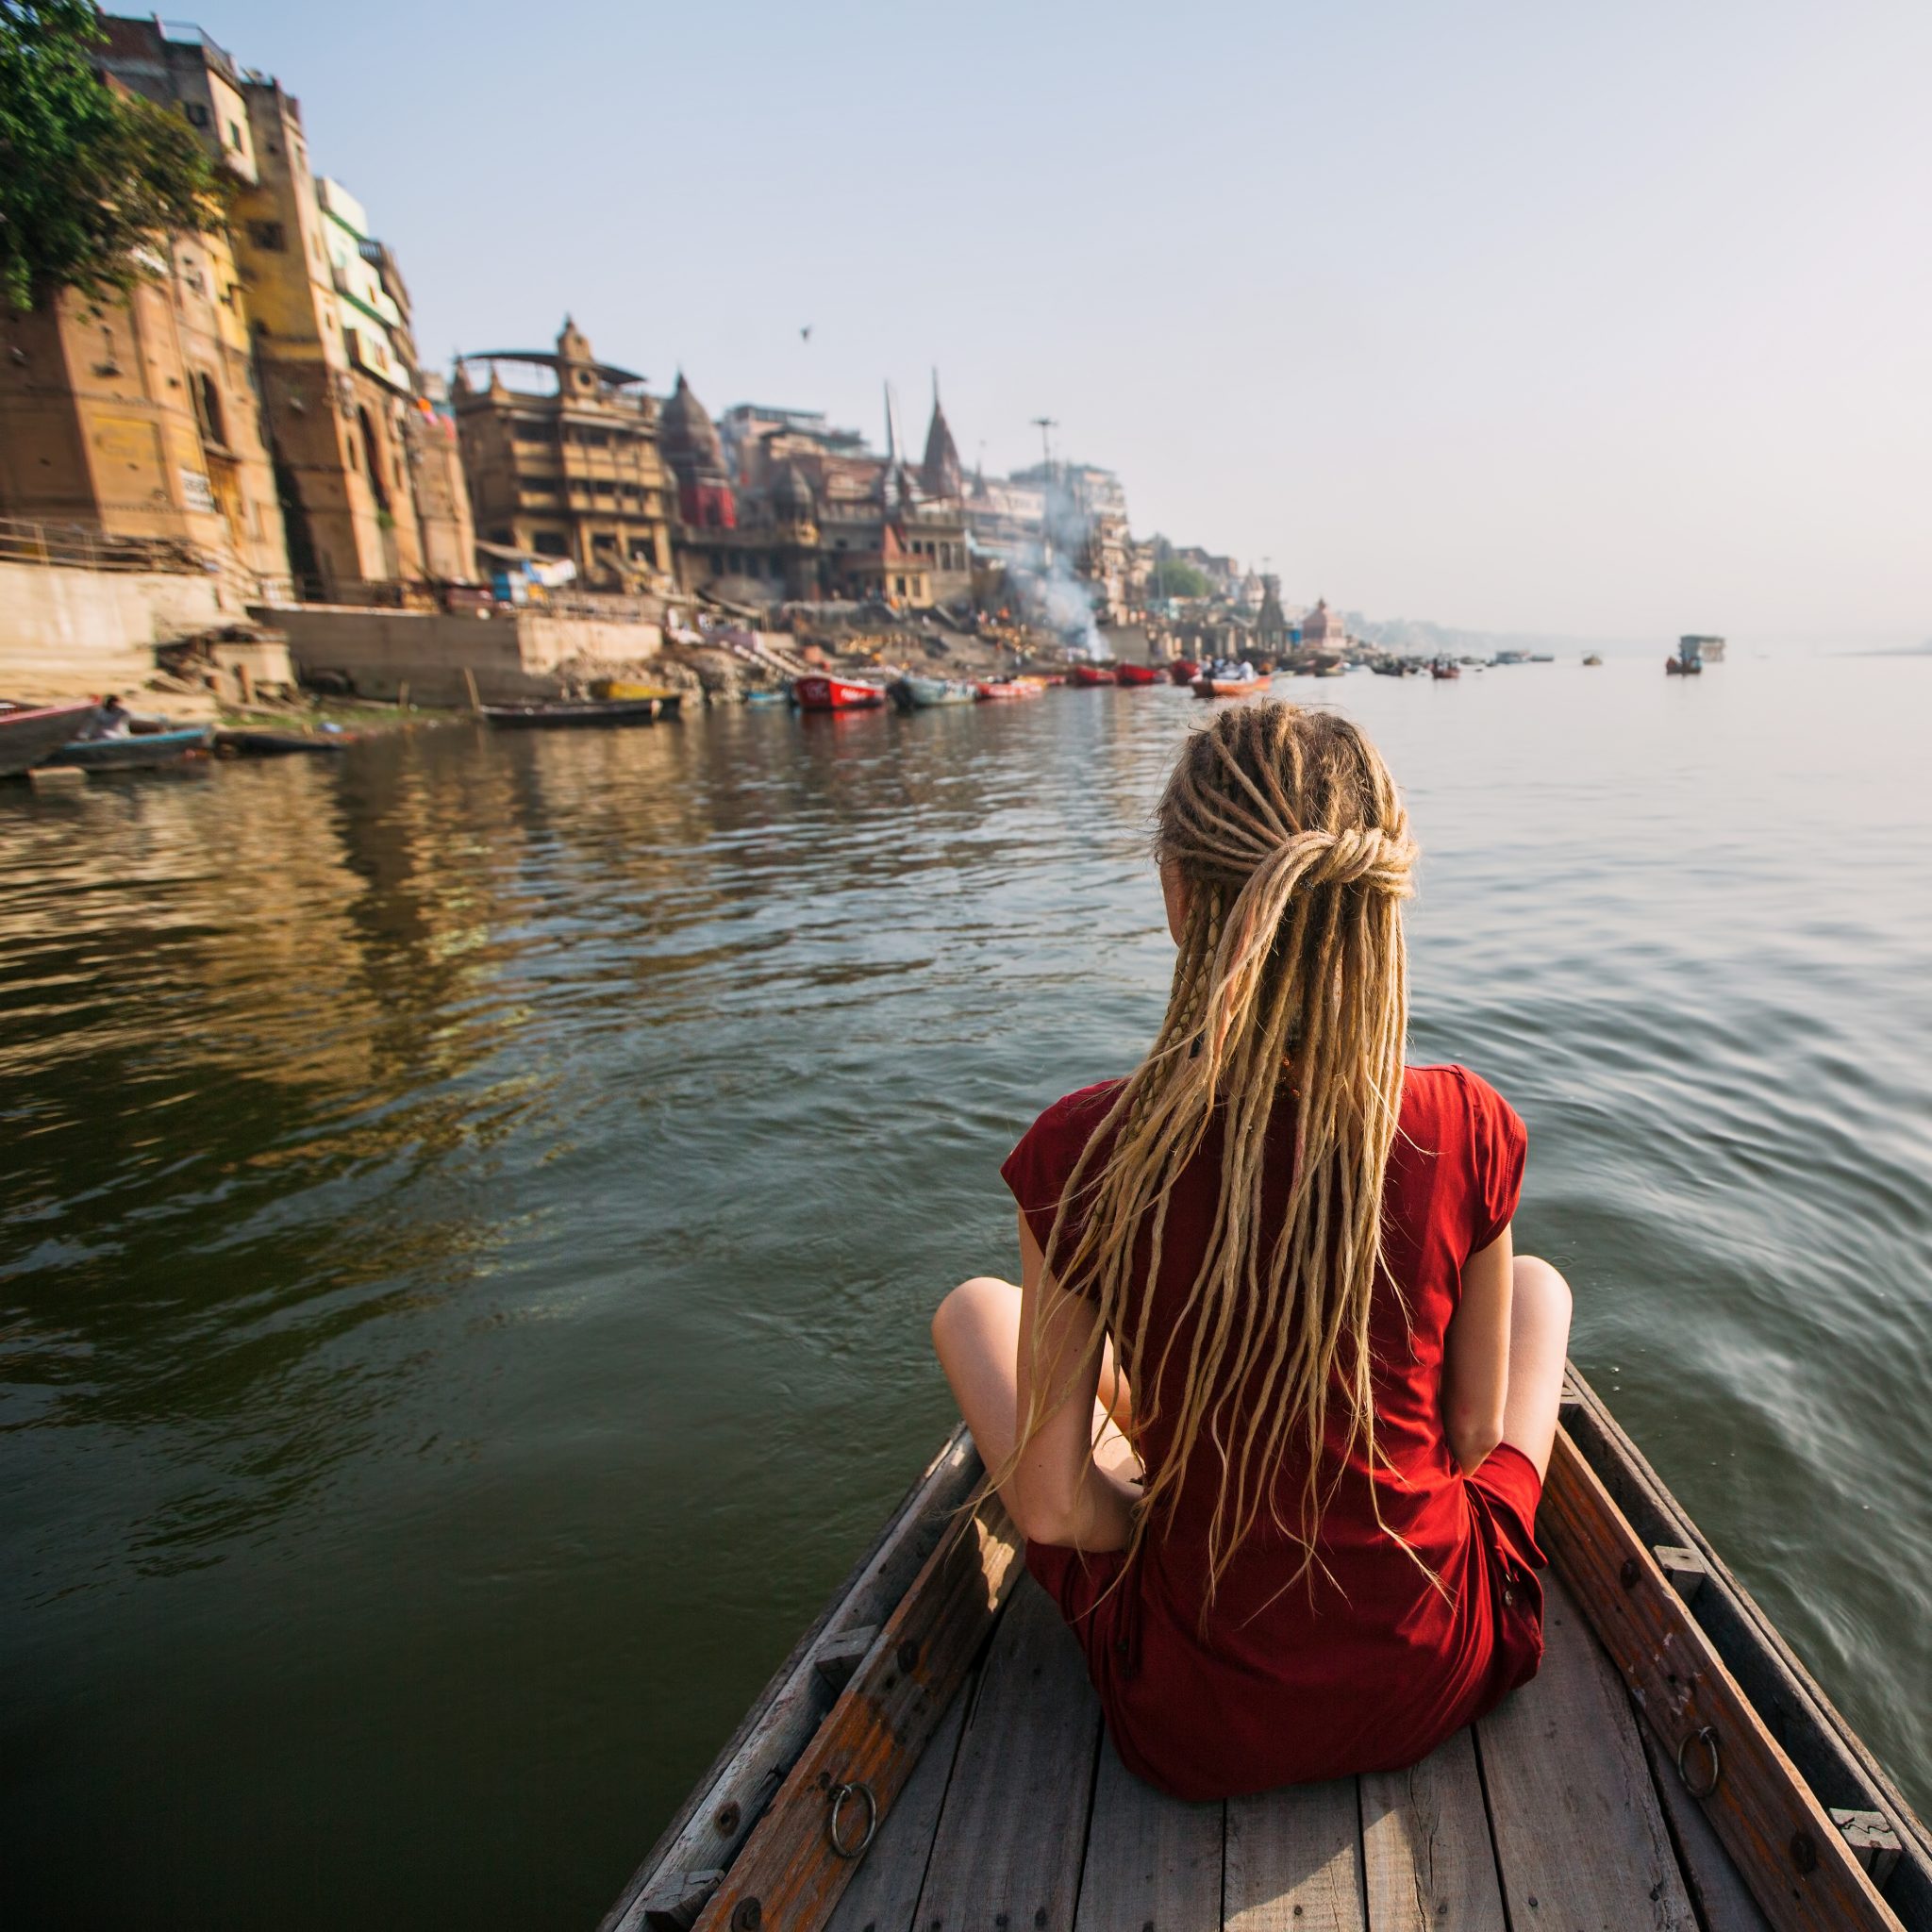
point(138, 752)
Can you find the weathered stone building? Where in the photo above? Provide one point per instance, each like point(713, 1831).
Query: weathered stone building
point(328, 331)
point(137, 415)
point(574, 471)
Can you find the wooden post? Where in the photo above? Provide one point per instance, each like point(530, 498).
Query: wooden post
point(470, 679)
point(403, 695)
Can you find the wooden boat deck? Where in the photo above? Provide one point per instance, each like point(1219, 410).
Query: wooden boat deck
point(1672, 1767)
point(1021, 1818)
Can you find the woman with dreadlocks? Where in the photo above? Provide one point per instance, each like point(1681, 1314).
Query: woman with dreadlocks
point(1274, 1401)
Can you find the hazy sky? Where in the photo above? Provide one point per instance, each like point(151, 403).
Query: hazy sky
point(1608, 320)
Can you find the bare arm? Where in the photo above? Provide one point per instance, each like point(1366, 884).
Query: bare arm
point(1475, 1362)
point(1058, 1495)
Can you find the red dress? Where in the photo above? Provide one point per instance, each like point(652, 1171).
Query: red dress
point(1368, 1666)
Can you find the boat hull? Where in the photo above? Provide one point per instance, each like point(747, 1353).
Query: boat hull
point(1228, 687)
point(1091, 676)
point(1184, 670)
point(1135, 675)
point(837, 695)
point(615, 713)
point(1002, 689)
point(925, 694)
point(143, 753)
point(30, 736)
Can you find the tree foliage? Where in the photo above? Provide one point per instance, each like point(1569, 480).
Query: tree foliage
point(1175, 577)
point(90, 177)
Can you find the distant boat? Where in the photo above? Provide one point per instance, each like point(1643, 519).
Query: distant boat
point(624, 691)
point(31, 733)
point(994, 689)
point(1088, 675)
point(1675, 667)
point(1445, 667)
point(568, 716)
point(1592, 658)
point(816, 693)
point(138, 752)
point(1229, 681)
point(782, 696)
point(247, 744)
point(1136, 674)
point(923, 693)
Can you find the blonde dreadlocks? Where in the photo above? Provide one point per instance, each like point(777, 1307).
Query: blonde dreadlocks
point(1292, 840)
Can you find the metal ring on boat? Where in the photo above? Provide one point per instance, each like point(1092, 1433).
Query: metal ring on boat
point(863, 1793)
point(1707, 1738)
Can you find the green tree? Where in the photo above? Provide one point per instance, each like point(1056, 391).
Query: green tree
point(90, 178)
point(1175, 577)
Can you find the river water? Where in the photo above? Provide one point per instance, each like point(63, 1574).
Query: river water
point(471, 1212)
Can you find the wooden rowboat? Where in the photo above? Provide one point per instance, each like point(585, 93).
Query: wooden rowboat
point(994, 689)
point(30, 734)
point(572, 717)
point(1087, 677)
point(932, 1755)
point(1228, 687)
point(138, 752)
point(837, 695)
point(1136, 674)
point(922, 693)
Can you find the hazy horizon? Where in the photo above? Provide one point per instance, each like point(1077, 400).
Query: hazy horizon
point(1605, 325)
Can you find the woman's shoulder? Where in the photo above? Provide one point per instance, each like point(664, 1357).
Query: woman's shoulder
point(1450, 1110)
point(1038, 1168)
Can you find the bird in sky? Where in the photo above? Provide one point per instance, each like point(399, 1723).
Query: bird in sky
point(804, 334)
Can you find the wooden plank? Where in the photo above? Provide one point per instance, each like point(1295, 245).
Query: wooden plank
point(1294, 1860)
point(790, 1872)
point(1008, 1855)
point(1832, 1757)
point(681, 1868)
point(1722, 1900)
point(885, 1889)
point(1153, 1862)
point(1580, 1842)
point(1780, 1838)
point(1874, 1842)
point(1428, 1865)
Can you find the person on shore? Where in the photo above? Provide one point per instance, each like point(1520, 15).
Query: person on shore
point(1272, 1402)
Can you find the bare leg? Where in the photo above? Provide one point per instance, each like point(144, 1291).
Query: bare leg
point(1539, 1342)
point(976, 1333)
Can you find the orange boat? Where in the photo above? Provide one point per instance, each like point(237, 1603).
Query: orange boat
point(837, 695)
point(995, 689)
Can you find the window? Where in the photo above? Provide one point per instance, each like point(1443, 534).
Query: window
point(208, 405)
point(235, 136)
point(549, 543)
point(198, 114)
point(640, 552)
point(268, 235)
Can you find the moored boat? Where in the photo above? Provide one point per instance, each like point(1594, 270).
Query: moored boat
point(1230, 679)
point(1183, 670)
point(779, 695)
point(1087, 677)
point(819, 694)
point(569, 715)
point(923, 694)
point(1136, 674)
point(246, 742)
point(933, 1753)
point(1445, 668)
point(628, 691)
point(138, 752)
point(994, 689)
point(31, 734)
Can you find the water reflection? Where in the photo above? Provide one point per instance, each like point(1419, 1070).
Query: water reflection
point(471, 1209)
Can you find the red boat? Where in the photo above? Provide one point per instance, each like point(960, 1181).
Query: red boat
point(1183, 670)
point(1442, 667)
point(998, 688)
point(1212, 686)
point(31, 733)
point(1137, 674)
point(837, 695)
point(1088, 675)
